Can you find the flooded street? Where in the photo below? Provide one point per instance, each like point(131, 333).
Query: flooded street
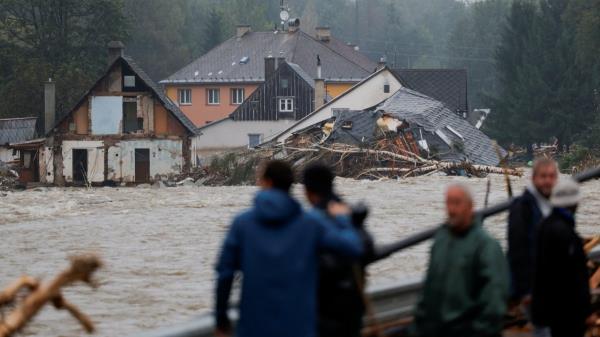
point(159, 245)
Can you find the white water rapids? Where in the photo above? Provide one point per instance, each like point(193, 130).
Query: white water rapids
point(159, 245)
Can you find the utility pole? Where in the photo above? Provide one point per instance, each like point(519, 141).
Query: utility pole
point(356, 29)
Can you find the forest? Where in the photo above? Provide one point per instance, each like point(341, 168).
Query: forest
point(534, 63)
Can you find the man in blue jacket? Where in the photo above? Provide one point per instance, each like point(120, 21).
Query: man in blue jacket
point(275, 246)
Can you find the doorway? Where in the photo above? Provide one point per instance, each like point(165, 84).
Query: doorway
point(80, 166)
point(142, 165)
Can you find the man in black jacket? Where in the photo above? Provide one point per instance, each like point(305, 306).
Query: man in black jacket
point(340, 299)
point(561, 294)
point(526, 213)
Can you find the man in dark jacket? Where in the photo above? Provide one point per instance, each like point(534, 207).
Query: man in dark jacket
point(526, 213)
point(561, 295)
point(341, 280)
point(275, 246)
point(466, 287)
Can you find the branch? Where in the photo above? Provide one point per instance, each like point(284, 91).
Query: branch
point(81, 269)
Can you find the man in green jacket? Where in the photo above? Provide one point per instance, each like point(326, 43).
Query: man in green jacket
point(466, 287)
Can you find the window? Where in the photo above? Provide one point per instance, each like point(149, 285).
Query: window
point(237, 96)
point(386, 88)
point(254, 140)
point(283, 83)
point(185, 96)
point(131, 122)
point(213, 96)
point(129, 81)
point(286, 105)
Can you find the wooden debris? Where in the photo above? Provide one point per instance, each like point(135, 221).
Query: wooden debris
point(385, 160)
point(81, 270)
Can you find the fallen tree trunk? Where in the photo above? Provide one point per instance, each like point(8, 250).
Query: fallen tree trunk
point(81, 269)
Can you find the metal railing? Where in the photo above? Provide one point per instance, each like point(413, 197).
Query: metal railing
point(390, 303)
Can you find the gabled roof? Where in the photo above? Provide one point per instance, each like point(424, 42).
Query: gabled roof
point(159, 93)
point(446, 85)
point(15, 130)
point(336, 99)
point(433, 116)
point(223, 63)
point(154, 88)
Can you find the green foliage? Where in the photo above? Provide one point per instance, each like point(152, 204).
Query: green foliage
point(544, 92)
point(234, 168)
point(60, 39)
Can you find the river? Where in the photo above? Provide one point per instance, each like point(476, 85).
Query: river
point(159, 245)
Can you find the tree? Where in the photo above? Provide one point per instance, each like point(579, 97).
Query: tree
point(60, 39)
point(544, 93)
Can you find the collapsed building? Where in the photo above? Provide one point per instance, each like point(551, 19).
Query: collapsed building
point(407, 134)
point(123, 130)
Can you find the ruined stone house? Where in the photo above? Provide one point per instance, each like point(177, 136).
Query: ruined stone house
point(123, 130)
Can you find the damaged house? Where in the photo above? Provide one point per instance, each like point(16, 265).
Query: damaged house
point(124, 130)
point(407, 134)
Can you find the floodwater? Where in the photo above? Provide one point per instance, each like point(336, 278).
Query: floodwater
point(159, 245)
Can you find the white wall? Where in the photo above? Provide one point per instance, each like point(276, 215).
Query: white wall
point(95, 159)
point(232, 134)
point(47, 165)
point(166, 157)
point(6, 154)
point(364, 95)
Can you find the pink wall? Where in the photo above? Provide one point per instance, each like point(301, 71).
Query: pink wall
point(200, 112)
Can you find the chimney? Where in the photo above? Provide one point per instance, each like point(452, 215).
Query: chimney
point(382, 63)
point(320, 92)
point(241, 30)
point(323, 34)
point(49, 105)
point(269, 67)
point(115, 50)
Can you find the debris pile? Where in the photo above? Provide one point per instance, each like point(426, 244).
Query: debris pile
point(229, 169)
point(376, 144)
point(9, 178)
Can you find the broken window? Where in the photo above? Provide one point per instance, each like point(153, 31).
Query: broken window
point(254, 140)
point(131, 122)
point(129, 81)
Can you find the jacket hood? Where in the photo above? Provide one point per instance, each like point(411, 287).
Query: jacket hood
point(275, 207)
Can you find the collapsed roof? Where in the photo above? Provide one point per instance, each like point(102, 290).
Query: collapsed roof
point(433, 128)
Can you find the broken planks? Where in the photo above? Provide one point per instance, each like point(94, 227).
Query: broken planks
point(81, 270)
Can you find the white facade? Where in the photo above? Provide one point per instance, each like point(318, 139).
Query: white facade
point(228, 134)
point(166, 157)
point(95, 159)
point(366, 94)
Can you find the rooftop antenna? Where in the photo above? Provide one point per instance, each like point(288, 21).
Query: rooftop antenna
point(284, 13)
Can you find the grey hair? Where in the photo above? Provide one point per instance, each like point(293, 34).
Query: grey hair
point(464, 188)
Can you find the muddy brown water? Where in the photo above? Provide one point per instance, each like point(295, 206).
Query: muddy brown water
point(160, 245)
